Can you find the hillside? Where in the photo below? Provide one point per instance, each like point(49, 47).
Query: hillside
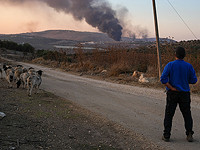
point(71, 35)
point(50, 38)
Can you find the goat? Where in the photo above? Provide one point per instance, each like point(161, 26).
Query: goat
point(1, 72)
point(4, 67)
point(23, 78)
point(31, 71)
point(9, 74)
point(21, 68)
point(136, 74)
point(143, 79)
point(34, 81)
point(24, 70)
point(17, 73)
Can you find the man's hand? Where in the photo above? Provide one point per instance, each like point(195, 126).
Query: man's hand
point(170, 87)
point(173, 89)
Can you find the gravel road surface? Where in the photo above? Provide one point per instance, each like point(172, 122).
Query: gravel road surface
point(137, 108)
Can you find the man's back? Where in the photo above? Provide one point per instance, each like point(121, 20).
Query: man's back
point(179, 74)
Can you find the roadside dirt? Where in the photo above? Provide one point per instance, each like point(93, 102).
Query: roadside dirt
point(45, 121)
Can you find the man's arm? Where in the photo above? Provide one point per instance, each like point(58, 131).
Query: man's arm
point(165, 74)
point(169, 86)
point(193, 77)
point(165, 78)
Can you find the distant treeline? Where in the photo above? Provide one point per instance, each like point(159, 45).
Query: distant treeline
point(17, 47)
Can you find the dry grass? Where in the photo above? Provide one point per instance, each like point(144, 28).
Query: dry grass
point(119, 68)
point(117, 60)
point(142, 59)
point(120, 62)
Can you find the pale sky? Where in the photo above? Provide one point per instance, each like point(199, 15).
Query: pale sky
point(18, 19)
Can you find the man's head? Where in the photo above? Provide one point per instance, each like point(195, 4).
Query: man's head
point(180, 52)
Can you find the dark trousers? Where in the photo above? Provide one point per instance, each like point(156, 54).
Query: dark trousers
point(183, 99)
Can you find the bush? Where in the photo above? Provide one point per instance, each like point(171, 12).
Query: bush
point(119, 68)
point(17, 47)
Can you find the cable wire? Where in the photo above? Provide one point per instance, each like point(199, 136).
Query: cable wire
point(182, 19)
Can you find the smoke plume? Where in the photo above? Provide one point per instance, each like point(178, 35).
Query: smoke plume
point(31, 26)
point(97, 13)
point(130, 30)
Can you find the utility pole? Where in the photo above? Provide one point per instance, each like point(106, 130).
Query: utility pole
point(157, 39)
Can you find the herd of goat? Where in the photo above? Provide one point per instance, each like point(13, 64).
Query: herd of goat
point(18, 75)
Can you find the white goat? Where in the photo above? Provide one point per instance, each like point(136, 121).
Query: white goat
point(34, 81)
point(143, 79)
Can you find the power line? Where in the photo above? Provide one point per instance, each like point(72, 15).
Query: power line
point(182, 19)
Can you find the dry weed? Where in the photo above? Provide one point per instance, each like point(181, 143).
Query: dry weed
point(119, 68)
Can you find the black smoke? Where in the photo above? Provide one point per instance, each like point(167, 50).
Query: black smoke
point(97, 13)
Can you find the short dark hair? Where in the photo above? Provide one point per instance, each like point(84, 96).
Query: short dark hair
point(180, 52)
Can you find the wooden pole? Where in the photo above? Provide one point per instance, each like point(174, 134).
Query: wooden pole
point(157, 39)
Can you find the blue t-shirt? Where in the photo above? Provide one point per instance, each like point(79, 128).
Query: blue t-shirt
point(179, 74)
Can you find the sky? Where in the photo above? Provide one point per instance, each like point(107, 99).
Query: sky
point(39, 17)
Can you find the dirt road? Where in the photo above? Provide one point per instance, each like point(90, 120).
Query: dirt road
point(136, 108)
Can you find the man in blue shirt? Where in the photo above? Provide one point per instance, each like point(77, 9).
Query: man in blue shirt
point(177, 76)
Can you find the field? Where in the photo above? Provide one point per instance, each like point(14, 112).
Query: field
point(118, 63)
